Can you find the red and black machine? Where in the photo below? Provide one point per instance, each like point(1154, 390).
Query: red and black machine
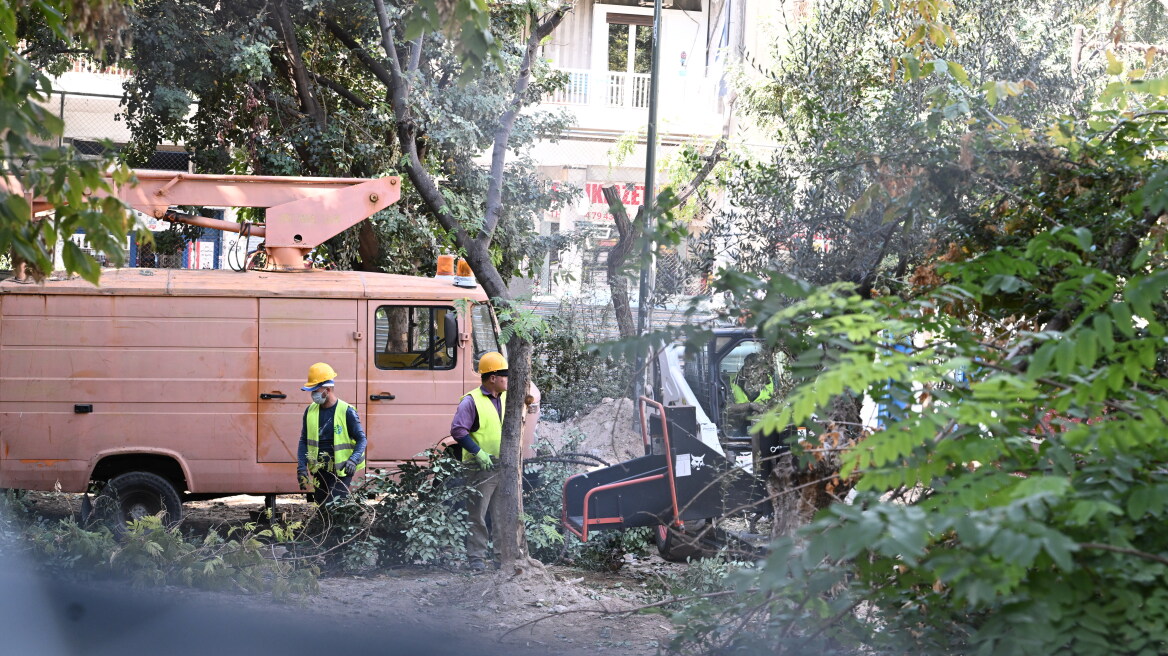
point(679, 486)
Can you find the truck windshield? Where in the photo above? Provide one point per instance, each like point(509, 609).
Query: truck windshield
point(486, 339)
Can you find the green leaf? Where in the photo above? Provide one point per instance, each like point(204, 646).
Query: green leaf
point(1088, 348)
point(958, 73)
point(78, 261)
point(1064, 357)
point(1114, 65)
point(1040, 362)
point(1102, 324)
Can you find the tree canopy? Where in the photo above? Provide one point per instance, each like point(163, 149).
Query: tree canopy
point(35, 39)
point(1012, 330)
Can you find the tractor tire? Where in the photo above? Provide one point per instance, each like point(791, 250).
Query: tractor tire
point(135, 495)
point(693, 542)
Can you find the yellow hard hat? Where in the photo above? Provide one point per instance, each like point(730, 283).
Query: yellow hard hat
point(492, 362)
point(319, 374)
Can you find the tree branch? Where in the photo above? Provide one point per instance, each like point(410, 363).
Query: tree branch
point(300, 73)
point(712, 160)
point(374, 66)
point(340, 90)
point(507, 122)
point(1124, 550)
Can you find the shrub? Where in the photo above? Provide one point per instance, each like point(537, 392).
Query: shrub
point(413, 514)
point(573, 379)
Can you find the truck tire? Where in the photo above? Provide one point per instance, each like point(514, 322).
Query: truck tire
point(135, 495)
point(679, 546)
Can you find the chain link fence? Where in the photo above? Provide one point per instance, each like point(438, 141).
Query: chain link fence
point(92, 119)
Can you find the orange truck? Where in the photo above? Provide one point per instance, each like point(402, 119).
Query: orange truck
point(171, 385)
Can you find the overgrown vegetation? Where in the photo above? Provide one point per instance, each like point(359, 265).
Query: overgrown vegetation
point(414, 514)
point(572, 377)
point(1012, 502)
point(249, 558)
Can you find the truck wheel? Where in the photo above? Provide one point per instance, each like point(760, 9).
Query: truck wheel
point(679, 546)
point(135, 495)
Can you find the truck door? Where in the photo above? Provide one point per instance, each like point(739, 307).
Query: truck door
point(415, 377)
point(295, 333)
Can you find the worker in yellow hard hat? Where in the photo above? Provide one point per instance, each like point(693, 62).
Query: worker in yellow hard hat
point(332, 441)
point(478, 429)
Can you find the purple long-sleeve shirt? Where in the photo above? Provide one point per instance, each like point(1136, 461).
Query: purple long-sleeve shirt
point(466, 420)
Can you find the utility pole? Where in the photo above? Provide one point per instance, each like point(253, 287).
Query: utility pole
point(647, 246)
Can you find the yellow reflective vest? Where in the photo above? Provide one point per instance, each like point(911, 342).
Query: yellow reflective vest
point(764, 394)
point(343, 445)
point(490, 431)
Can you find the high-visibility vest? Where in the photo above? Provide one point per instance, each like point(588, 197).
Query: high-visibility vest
point(343, 445)
point(490, 431)
point(764, 394)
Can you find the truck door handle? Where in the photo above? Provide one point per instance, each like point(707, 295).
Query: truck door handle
point(273, 395)
point(381, 397)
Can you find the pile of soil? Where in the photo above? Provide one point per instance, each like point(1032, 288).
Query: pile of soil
point(611, 431)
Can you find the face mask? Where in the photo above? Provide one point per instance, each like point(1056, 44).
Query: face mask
point(319, 396)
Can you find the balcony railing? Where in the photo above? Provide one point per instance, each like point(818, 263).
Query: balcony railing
point(606, 88)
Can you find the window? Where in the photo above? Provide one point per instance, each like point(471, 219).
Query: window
point(485, 338)
point(630, 55)
point(409, 337)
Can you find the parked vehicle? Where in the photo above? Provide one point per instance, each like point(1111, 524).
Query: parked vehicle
point(169, 385)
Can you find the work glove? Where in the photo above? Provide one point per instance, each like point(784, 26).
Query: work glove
point(302, 476)
point(484, 459)
point(348, 468)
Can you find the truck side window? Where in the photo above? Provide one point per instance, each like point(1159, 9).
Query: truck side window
point(485, 338)
point(411, 337)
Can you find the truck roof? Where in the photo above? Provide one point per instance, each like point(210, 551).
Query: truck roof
point(310, 284)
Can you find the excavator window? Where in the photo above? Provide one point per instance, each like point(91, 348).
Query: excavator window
point(412, 337)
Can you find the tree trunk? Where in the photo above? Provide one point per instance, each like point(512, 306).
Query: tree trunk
point(618, 283)
point(800, 492)
point(368, 247)
point(512, 545)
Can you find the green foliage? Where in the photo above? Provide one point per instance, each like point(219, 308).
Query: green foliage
point(227, 66)
point(606, 551)
point(573, 376)
point(1014, 503)
point(700, 577)
point(247, 559)
point(64, 179)
point(414, 514)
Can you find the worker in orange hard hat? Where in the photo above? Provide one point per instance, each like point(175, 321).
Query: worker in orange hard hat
point(478, 429)
point(332, 441)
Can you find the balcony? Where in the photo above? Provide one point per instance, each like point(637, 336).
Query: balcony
point(612, 99)
point(607, 88)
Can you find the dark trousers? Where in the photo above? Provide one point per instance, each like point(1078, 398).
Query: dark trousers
point(329, 486)
point(477, 507)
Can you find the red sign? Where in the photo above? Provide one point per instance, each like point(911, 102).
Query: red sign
point(630, 194)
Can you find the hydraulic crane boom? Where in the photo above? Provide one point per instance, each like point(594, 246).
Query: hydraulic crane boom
point(302, 212)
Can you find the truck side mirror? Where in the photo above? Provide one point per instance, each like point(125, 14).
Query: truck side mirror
point(450, 329)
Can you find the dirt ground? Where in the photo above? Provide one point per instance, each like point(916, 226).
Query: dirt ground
point(560, 610)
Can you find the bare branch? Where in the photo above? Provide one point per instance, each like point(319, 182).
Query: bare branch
point(300, 73)
point(507, 122)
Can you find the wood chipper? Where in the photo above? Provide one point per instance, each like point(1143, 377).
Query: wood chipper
point(676, 487)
